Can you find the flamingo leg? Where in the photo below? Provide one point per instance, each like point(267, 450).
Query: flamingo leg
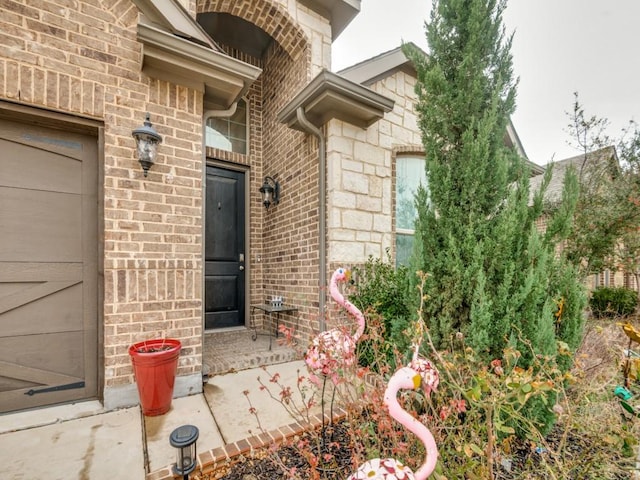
point(333, 396)
point(324, 384)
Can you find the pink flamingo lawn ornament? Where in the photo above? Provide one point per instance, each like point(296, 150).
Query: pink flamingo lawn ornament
point(334, 349)
point(390, 468)
point(427, 371)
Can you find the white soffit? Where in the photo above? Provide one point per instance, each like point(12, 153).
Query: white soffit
point(339, 12)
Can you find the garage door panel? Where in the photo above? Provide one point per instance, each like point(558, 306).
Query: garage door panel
point(60, 311)
point(36, 169)
point(37, 396)
point(48, 266)
point(7, 384)
point(31, 376)
point(40, 226)
point(40, 271)
point(61, 142)
point(8, 289)
point(55, 353)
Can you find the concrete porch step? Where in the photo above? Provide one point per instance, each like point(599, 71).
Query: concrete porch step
point(235, 350)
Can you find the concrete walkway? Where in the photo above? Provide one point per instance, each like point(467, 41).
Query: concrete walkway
point(82, 441)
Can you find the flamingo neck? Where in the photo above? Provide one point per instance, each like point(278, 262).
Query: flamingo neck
point(415, 427)
point(353, 310)
point(350, 307)
point(335, 292)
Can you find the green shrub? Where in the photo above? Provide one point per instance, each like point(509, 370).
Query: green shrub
point(381, 293)
point(613, 301)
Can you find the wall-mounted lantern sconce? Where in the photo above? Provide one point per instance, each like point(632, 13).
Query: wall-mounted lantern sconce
point(183, 439)
point(147, 141)
point(270, 191)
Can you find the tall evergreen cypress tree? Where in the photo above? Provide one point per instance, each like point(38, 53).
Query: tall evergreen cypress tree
point(493, 275)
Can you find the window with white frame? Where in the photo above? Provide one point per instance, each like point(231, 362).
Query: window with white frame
point(410, 174)
point(229, 133)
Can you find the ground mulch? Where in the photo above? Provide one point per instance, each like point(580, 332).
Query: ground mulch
point(288, 461)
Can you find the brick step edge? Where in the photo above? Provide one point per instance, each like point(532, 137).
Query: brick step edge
point(219, 460)
point(215, 463)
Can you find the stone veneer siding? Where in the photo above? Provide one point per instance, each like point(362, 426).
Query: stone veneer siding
point(361, 175)
point(83, 58)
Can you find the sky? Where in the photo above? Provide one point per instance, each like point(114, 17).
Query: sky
point(560, 47)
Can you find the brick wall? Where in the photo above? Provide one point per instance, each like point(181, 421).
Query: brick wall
point(290, 230)
point(296, 28)
point(83, 58)
point(284, 241)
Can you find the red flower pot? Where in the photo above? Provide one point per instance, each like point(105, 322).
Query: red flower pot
point(155, 363)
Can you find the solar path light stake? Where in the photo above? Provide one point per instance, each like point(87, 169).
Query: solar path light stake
point(183, 439)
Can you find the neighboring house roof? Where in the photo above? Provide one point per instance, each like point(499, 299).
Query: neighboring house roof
point(381, 66)
point(385, 64)
point(589, 165)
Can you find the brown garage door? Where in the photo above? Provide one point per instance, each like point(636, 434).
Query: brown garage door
point(48, 269)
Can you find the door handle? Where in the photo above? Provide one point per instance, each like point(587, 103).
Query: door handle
point(241, 267)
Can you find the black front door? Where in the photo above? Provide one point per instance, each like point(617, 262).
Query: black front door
point(224, 249)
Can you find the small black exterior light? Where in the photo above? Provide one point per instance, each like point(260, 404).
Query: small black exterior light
point(184, 440)
point(147, 141)
point(270, 191)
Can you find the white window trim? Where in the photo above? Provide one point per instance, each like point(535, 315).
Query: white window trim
point(226, 114)
point(398, 230)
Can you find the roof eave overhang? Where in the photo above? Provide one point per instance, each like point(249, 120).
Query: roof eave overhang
point(174, 59)
point(171, 15)
point(377, 68)
point(339, 12)
point(330, 96)
point(513, 140)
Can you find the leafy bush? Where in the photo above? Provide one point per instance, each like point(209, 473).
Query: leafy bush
point(613, 301)
point(381, 291)
point(478, 415)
